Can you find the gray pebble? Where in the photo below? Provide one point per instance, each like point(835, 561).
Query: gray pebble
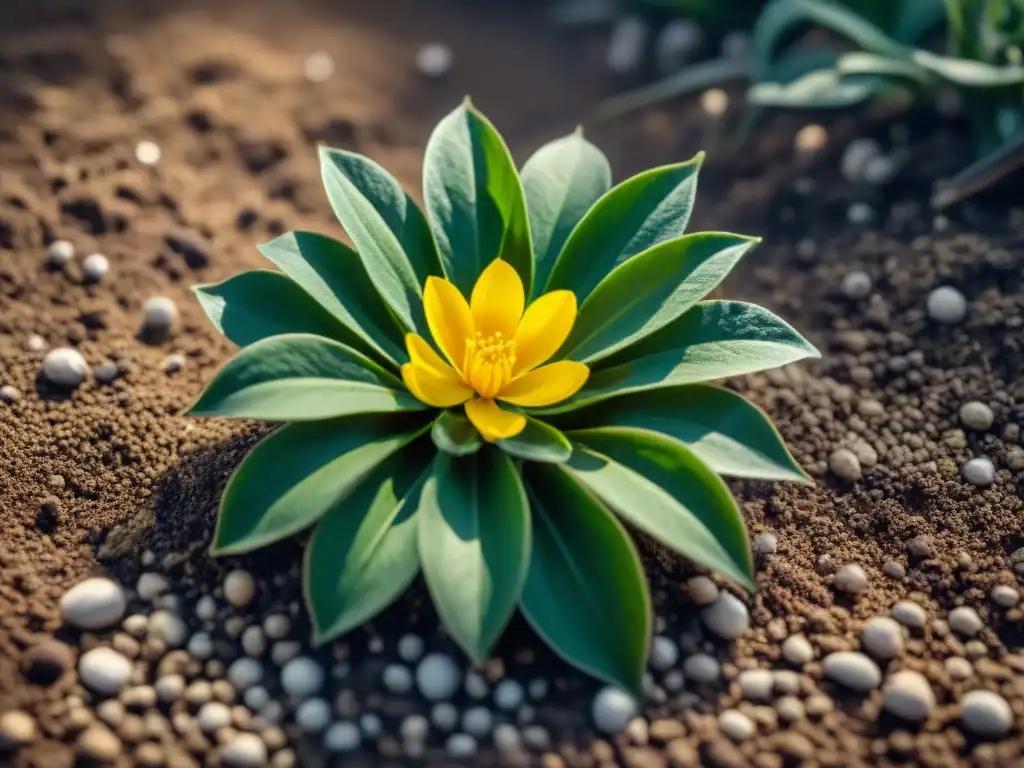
point(536, 737)
point(342, 737)
point(438, 677)
point(845, 465)
point(284, 651)
point(856, 285)
point(976, 415)
point(852, 669)
point(256, 697)
point(882, 637)
point(371, 725)
point(414, 728)
point(410, 648)
point(612, 709)
point(894, 570)
point(254, 642)
point(200, 646)
point(313, 715)
point(93, 604)
point(766, 544)
point(508, 695)
point(476, 686)
point(965, 621)
point(460, 746)
point(986, 713)
point(664, 653)
point(477, 721)
point(727, 617)
point(506, 738)
point(168, 628)
point(244, 673)
point(151, 585)
point(979, 471)
point(445, 716)
point(65, 367)
point(947, 305)
point(908, 695)
point(851, 578)
point(302, 677)
point(397, 678)
point(702, 668)
point(276, 626)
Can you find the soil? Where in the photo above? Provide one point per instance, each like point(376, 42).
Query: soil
point(113, 475)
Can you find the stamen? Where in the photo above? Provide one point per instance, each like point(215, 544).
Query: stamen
point(488, 363)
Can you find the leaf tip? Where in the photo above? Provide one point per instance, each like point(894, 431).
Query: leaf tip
point(467, 101)
point(578, 130)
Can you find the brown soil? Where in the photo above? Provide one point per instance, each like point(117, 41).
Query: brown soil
point(88, 481)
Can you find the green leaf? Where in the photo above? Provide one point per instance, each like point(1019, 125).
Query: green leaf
point(561, 181)
point(728, 433)
point(643, 211)
point(821, 89)
point(662, 488)
point(363, 554)
point(259, 304)
point(585, 593)
point(714, 340)
point(333, 274)
point(453, 433)
point(538, 442)
point(968, 73)
point(651, 290)
point(300, 377)
point(915, 19)
point(391, 236)
point(474, 543)
point(294, 476)
point(474, 199)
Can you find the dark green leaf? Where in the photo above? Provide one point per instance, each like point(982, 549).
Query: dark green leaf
point(259, 304)
point(663, 489)
point(363, 553)
point(714, 340)
point(333, 274)
point(297, 474)
point(728, 433)
point(300, 377)
point(651, 290)
point(474, 200)
point(562, 180)
point(538, 442)
point(474, 543)
point(643, 211)
point(453, 433)
point(391, 236)
point(585, 593)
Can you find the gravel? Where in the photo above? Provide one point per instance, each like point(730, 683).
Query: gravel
point(910, 614)
point(94, 604)
point(612, 709)
point(851, 579)
point(342, 737)
point(434, 60)
point(151, 585)
point(169, 628)
point(239, 588)
point(976, 415)
point(477, 721)
point(908, 695)
point(727, 617)
point(702, 668)
point(797, 650)
point(852, 669)
point(947, 305)
point(882, 637)
point(1005, 596)
point(410, 648)
point(509, 694)
point(756, 684)
point(213, 715)
point(979, 471)
point(104, 670)
point(664, 653)
point(856, 285)
point(17, 729)
point(397, 678)
point(986, 713)
point(736, 725)
point(965, 621)
point(845, 465)
point(302, 677)
point(958, 668)
point(702, 590)
point(313, 715)
point(159, 315)
point(95, 267)
point(65, 367)
point(244, 750)
point(60, 253)
point(444, 716)
point(244, 673)
point(438, 677)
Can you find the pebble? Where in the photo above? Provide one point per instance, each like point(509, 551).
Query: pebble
point(65, 367)
point(626, 45)
point(148, 152)
point(17, 728)
point(313, 715)
point(200, 646)
point(254, 641)
point(702, 668)
point(302, 677)
point(986, 713)
point(35, 343)
point(845, 465)
point(59, 253)
point(213, 715)
point(151, 585)
point(438, 677)
point(907, 694)
point(766, 544)
point(239, 588)
point(727, 617)
point(894, 570)
point(410, 648)
point(852, 669)
point(790, 709)
point(736, 725)
point(318, 67)
point(47, 661)
point(342, 737)
point(965, 621)
point(959, 668)
point(460, 746)
point(921, 546)
point(947, 305)
point(856, 285)
point(256, 697)
point(9, 394)
point(397, 678)
point(159, 314)
point(676, 43)
point(414, 728)
point(506, 738)
point(882, 637)
point(976, 415)
point(756, 684)
point(445, 716)
point(284, 651)
point(95, 267)
point(97, 743)
point(169, 628)
point(714, 102)
point(851, 578)
point(477, 721)
point(172, 363)
point(536, 737)
point(735, 45)
point(244, 750)
point(509, 694)
point(702, 590)
point(371, 725)
point(276, 626)
point(979, 471)
point(797, 650)
point(612, 709)
point(104, 670)
point(664, 653)
point(434, 60)
point(1005, 596)
point(859, 213)
point(810, 139)
point(856, 157)
point(169, 688)
point(244, 673)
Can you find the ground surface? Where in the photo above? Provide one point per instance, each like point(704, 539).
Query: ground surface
point(113, 478)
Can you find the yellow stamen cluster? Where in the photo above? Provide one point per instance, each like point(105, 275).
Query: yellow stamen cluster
point(488, 363)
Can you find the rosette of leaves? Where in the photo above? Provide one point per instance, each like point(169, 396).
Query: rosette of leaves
point(483, 392)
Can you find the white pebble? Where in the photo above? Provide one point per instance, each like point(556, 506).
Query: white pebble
point(438, 677)
point(965, 621)
point(239, 588)
point(95, 267)
point(702, 590)
point(852, 669)
point(1005, 596)
point(244, 673)
point(342, 737)
point(850, 578)
point(947, 305)
point(976, 415)
point(714, 102)
point(169, 688)
point(736, 725)
point(245, 750)
point(277, 626)
point(60, 252)
point(460, 746)
point(477, 721)
point(797, 650)
point(909, 614)
point(104, 670)
point(256, 698)
point(508, 695)
point(313, 715)
point(766, 544)
point(908, 695)
point(206, 608)
point(986, 713)
point(882, 637)
point(410, 648)
point(151, 585)
point(702, 668)
point(93, 604)
point(756, 684)
point(169, 628)
point(612, 709)
point(445, 716)
point(958, 668)
point(213, 716)
point(626, 45)
point(65, 367)
point(159, 314)
point(979, 471)
point(147, 152)
point(727, 617)
point(786, 681)
point(664, 653)
point(434, 60)
point(397, 678)
point(318, 67)
point(845, 465)
point(856, 285)
point(302, 677)
point(254, 643)
point(536, 737)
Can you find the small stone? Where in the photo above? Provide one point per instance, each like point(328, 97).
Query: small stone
point(986, 713)
point(8, 394)
point(460, 746)
point(414, 728)
point(536, 737)
point(46, 662)
point(254, 642)
point(714, 102)
point(256, 697)
point(664, 653)
point(678, 41)
point(239, 588)
point(1005, 596)
point(727, 617)
point(908, 695)
point(979, 471)
point(313, 715)
point(371, 725)
point(965, 621)
point(159, 315)
point(342, 737)
point(612, 709)
point(104, 670)
point(318, 67)
point(506, 738)
point(921, 546)
point(976, 415)
point(894, 570)
point(638, 731)
point(766, 544)
point(959, 668)
point(434, 60)
point(244, 750)
point(476, 686)
point(206, 608)
point(786, 681)
point(445, 716)
point(95, 267)
point(756, 684)
point(172, 363)
point(35, 343)
point(65, 367)
point(859, 213)
point(736, 725)
point(148, 152)
point(17, 728)
point(790, 709)
point(810, 139)
point(410, 648)
point(856, 157)
point(477, 721)
point(169, 688)
point(509, 695)
point(438, 677)
point(856, 285)
point(852, 669)
point(702, 668)
point(169, 628)
point(882, 637)
point(702, 590)
point(947, 305)
point(139, 697)
point(797, 650)
point(851, 578)
point(276, 626)
point(302, 677)
point(151, 585)
point(59, 253)
point(213, 715)
point(284, 651)
point(97, 743)
point(244, 673)
point(397, 678)
point(200, 646)
point(845, 465)
point(626, 45)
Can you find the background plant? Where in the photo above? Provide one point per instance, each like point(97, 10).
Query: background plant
point(396, 488)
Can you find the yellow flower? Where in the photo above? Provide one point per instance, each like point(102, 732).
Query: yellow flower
point(494, 349)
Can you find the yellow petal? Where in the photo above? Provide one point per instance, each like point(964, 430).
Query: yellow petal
point(430, 388)
point(424, 356)
point(492, 422)
point(498, 300)
point(547, 385)
point(449, 318)
point(545, 326)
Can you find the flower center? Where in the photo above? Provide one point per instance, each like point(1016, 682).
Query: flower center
point(487, 367)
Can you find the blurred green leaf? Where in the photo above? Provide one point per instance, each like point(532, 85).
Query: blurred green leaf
point(538, 442)
point(454, 433)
